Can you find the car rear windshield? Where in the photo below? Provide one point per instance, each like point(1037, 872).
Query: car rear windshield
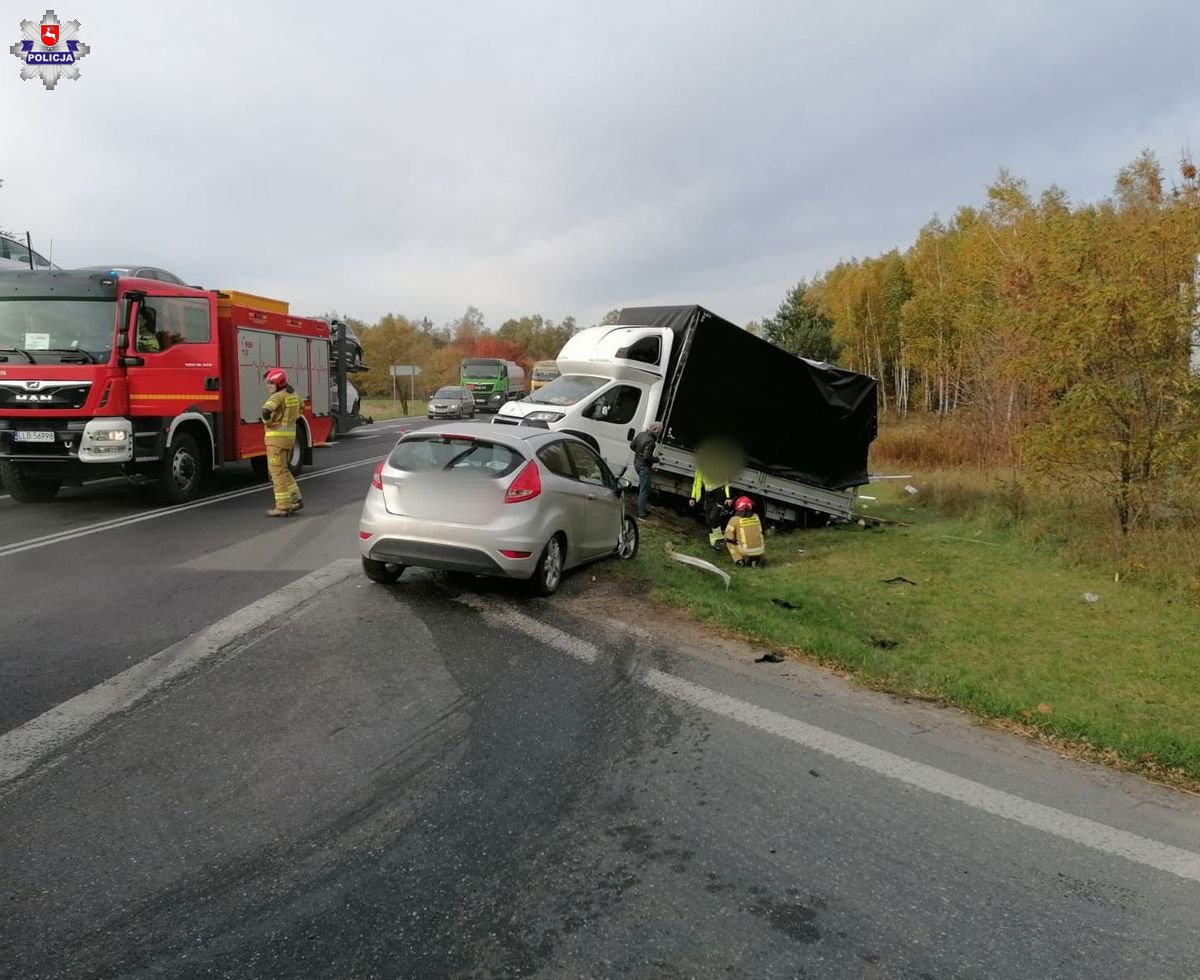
point(457, 454)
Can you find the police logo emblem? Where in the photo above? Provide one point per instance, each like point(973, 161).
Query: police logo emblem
point(50, 50)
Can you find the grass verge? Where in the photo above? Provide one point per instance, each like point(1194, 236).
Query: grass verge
point(991, 623)
point(381, 409)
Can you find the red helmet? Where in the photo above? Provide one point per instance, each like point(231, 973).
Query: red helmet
point(277, 376)
point(743, 503)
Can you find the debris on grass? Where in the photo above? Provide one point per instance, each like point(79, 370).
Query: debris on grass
point(700, 563)
point(771, 658)
point(898, 580)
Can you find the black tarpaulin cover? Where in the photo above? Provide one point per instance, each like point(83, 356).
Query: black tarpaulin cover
point(796, 418)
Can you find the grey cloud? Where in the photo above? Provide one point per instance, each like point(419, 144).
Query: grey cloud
point(550, 157)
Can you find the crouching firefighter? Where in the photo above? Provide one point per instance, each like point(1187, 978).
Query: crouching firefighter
point(279, 415)
point(744, 535)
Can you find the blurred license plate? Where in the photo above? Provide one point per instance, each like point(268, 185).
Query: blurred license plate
point(33, 436)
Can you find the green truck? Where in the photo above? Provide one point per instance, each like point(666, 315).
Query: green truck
point(492, 381)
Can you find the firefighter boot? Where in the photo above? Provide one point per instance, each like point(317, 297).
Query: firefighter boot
point(279, 512)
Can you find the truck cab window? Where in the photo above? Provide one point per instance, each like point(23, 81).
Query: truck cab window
point(617, 406)
point(648, 350)
point(166, 321)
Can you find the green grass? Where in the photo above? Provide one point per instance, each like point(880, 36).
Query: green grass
point(381, 409)
point(993, 624)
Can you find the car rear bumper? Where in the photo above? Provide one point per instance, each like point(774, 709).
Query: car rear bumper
point(448, 557)
point(448, 547)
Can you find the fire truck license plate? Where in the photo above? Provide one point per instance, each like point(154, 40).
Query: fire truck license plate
point(33, 436)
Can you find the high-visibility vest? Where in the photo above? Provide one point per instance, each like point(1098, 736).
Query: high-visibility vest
point(703, 483)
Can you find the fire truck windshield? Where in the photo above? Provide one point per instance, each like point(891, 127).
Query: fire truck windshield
point(49, 331)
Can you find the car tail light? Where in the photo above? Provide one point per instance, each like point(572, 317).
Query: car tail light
point(526, 486)
point(515, 554)
point(365, 535)
point(377, 476)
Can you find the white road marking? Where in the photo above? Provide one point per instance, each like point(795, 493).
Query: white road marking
point(501, 615)
point(17, 547)
point(1079, 830)
point(25, 746)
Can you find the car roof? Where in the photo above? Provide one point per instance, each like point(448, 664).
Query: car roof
point(513, 436)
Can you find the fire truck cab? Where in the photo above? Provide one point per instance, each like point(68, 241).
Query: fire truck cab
point(102, 375)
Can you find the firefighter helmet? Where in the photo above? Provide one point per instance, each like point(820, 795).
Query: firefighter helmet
point(277, 376)
point(743, 504)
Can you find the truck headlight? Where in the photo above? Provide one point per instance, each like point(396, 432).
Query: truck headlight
point(106, 441)
point(545, 416)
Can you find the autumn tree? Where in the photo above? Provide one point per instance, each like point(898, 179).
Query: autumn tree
point(800, 327)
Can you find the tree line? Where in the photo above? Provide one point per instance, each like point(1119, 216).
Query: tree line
point(1063, 333)
point(437, 350)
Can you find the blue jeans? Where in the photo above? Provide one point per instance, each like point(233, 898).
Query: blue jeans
point(644, 474)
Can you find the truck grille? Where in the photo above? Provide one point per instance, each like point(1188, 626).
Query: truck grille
point(36, 395)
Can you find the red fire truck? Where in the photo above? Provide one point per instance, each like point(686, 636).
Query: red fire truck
point(102, 375)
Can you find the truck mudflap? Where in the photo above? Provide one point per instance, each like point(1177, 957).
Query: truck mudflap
point(783, 499)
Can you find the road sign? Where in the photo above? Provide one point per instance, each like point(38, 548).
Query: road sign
point(405, 370)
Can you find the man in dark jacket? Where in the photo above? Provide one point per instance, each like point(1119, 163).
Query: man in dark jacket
point(644, 444)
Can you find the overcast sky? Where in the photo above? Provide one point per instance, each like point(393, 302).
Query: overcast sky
point(544, 156)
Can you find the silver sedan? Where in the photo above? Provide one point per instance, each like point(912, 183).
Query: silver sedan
point(520, 502)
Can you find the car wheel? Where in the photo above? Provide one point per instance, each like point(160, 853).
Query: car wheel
point(382, 571)
point(627, 546)
point(548, 575)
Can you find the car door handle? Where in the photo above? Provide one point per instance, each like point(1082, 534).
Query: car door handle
point(591, 496)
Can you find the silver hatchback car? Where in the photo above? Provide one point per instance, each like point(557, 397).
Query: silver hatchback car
point(520, 502)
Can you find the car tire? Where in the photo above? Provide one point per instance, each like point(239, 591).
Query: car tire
point(547, 577)
point(382, 571)
point(627, 546)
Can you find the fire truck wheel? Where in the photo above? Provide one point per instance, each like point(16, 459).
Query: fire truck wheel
point(182, 470)
point(296, 463)
point(24, 489)
point(259, 465)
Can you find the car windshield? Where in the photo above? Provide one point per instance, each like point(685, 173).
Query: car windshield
point(448, 393)
point(457, 454)
point(58, 326)
point(481, 369)
point(566, 390)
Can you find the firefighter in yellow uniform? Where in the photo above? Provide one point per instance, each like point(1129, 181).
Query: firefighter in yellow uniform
point(744, 535)
point(279, 414)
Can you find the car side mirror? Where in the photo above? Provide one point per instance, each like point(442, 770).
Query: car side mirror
point(623, 485)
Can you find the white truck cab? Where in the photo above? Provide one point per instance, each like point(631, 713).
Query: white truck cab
point(610, 385)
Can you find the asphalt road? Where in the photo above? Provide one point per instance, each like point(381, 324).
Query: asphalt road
point(229, 754)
